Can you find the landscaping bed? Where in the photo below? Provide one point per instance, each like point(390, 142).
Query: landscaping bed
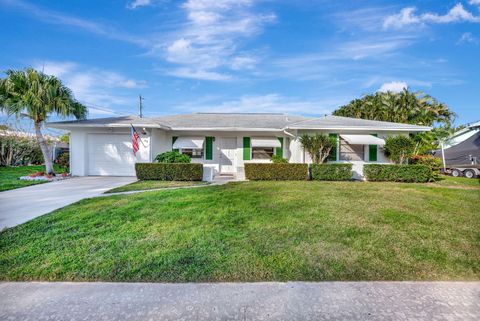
point(10, 176)
point(254, 231)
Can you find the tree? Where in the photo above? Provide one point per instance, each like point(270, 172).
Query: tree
point(403, 107)
point(399, 148)
point(318, 146)
point(35, 95)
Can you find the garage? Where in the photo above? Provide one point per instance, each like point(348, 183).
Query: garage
point(112, 155)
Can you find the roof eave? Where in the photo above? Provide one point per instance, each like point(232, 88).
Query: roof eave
point(113, 125)
point(233, 129)
point(416, 129)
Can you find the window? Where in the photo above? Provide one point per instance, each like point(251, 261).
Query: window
point(192, 152)
point(349, 152)
point(262, 152)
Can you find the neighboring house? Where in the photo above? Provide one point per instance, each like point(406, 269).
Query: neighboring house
point(224, 142)
point(463, 147)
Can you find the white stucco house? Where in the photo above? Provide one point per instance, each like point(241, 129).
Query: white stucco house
point(223, 142)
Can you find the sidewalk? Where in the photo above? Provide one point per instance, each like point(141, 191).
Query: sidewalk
point(241, 301)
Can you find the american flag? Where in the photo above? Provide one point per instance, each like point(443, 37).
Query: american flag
point(135, 138)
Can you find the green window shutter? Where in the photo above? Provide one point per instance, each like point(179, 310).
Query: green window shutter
point(279, 150)
point(372, 151)
point(174, 138)
point(246, 148)
point(208, 148)
point(333, 153)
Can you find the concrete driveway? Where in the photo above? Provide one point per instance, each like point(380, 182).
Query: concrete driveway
point(23, 204)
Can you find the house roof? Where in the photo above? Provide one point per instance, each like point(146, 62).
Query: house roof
point(122, 121)
point(240, 121)
point(337, 122)
point(228, 121)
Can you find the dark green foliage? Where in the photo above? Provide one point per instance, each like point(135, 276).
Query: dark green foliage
point(332, 172)
point(64, 160)
point(404, 107)
point(399, 148)
point(434, 163)
point(173, 156)
point(276, 172)
point(169, 171)
point(276, 159)
point(397, 173)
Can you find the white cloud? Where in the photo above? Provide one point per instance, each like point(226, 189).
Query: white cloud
point(103, 87)
point(271, 103)
point(474, 2)
point(394, 86)
point(207, 45)
point(60, 18)
point(407, 17)
point(138, 3)
point(468, 37)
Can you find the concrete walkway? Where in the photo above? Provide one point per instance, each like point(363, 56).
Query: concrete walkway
point(241, 301)
point(20, 205)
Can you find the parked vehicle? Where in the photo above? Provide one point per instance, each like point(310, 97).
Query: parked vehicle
point(461, 152)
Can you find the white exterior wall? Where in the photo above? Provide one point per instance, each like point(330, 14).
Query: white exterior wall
point(79, 139)
point(158, 141)
point(214, 163)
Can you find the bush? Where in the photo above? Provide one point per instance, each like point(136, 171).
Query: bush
point(169, 171)
point(399, 148)
point(397, 173)
point(17, 149)
point(276, 172)
point(332, 172)
point(434, 163)
point(279, 160)
point(172, 157)
point(64, 160)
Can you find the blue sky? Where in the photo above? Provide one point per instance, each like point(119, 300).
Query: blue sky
point(300, 57)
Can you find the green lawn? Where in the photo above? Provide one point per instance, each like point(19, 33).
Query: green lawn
point(9, 176)
point(146, 185)
point(254, 231)
point(457, 181)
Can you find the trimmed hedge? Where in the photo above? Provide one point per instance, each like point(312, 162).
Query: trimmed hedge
point(169, 171)
point(276, 172)
point(397, 173)
point(332, 172)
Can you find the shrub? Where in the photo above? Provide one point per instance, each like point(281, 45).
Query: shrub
point(318, 146)
point(277, 171)
point(64, 160)
point(332, 172)
point(399, 148)
point(397, 173)
point(279, 160)
point(18, 149)
point(169, 171)
point(172, 157)
point(434, 163)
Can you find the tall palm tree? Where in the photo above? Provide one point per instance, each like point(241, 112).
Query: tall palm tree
point(35, 95)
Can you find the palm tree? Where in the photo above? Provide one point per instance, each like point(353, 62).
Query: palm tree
point(35, 95)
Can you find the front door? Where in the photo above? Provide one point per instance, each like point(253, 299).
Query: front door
point(228, 152)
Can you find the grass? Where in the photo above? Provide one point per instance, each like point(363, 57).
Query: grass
point(9, 176)
point(457, 181)
point(254, 231)
point(146, 185)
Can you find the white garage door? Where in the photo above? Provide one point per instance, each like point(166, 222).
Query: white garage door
point(110, 155)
